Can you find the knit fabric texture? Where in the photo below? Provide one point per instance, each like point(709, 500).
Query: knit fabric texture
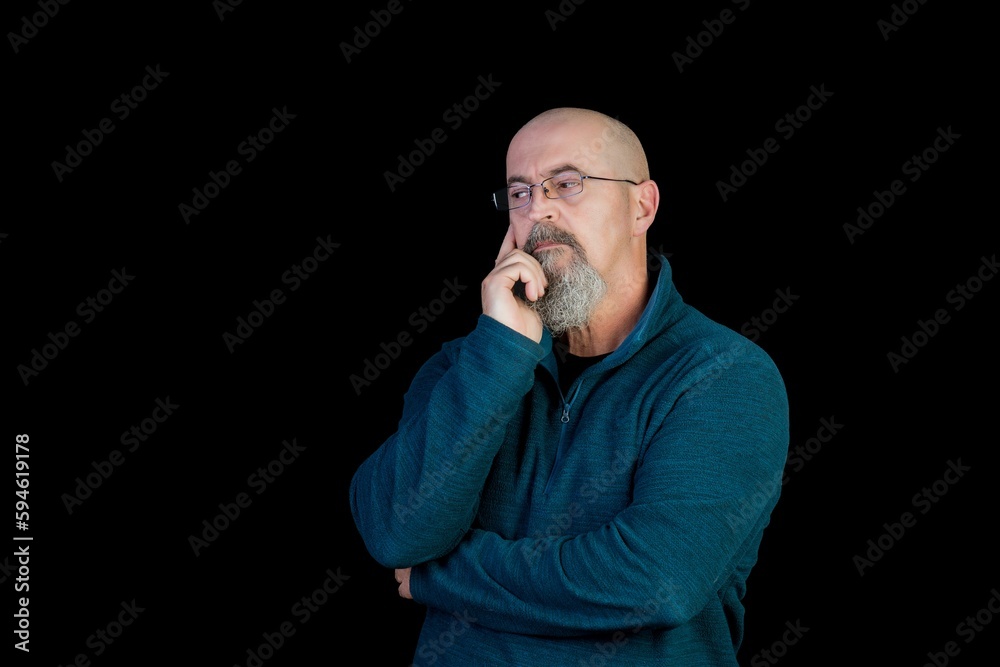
point(615, 524)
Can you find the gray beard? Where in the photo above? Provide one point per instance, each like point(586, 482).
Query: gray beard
point(574, 291)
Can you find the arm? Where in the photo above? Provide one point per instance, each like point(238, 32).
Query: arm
point(417, 495)
point(703, 491)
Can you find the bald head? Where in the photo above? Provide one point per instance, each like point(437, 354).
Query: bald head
point(599, 138)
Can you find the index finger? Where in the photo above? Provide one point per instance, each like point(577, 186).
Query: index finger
point(507, 245)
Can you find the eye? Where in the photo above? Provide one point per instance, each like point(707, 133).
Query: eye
point(518, 192)
point(567, 182)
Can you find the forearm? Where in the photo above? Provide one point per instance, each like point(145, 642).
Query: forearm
point(701, 497)
point(602, 581)
point(416, 496)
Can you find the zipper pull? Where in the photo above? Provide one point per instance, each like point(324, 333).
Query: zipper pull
point(565, 414)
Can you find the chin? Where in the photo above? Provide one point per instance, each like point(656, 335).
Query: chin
point(553, 259)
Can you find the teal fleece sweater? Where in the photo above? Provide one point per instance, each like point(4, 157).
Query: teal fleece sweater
point(614, 525)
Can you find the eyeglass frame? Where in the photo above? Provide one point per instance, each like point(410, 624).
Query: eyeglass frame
point(545, 190)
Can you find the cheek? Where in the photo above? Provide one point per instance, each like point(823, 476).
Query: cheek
point(522, 228)
point(601, 234)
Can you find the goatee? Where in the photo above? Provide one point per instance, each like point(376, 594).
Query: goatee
point(575, 287)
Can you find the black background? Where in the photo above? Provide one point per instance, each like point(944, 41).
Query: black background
point(323, 176)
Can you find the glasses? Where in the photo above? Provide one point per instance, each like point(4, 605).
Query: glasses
point(560, 186)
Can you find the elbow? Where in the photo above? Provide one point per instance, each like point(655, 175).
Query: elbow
point(398, 538)
point(382, 543)
point(392, 546)
point(392, 555)
point(668, 606)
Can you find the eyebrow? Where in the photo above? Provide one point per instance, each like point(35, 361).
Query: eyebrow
point(551, 172)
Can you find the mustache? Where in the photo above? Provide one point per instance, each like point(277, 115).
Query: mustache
point(544, 234)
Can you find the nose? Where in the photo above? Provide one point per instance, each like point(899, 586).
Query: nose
point(540, 207)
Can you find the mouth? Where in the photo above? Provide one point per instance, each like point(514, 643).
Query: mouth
point(546, 245)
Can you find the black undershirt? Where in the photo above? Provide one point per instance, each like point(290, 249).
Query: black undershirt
point(571, 366)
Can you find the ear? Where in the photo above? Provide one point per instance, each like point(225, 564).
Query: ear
point(648, 202)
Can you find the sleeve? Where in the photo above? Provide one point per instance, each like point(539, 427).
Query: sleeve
point(703, 493)
point(417, 495)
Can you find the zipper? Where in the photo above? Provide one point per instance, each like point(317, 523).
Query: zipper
point(566, 405)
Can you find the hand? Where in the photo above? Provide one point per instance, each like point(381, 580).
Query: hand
point(499, 300)
point(403, 579)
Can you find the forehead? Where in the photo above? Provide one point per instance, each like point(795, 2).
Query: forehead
point(542, 146)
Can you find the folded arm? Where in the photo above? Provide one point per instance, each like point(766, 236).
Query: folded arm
point(703, 491)
point(417, 495)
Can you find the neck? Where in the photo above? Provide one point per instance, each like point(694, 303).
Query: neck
point(613, 320)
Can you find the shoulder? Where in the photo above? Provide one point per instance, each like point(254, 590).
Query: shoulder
point(699, 357)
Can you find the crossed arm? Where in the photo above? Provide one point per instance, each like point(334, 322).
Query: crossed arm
point(702, 493)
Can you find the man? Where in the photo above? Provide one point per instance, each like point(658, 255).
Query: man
point(587, 474)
